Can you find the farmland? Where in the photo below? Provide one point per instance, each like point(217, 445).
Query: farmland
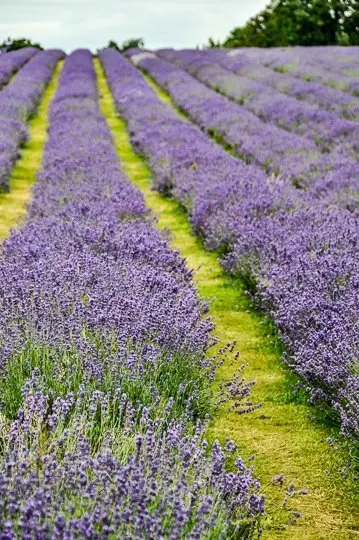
point(179, 293)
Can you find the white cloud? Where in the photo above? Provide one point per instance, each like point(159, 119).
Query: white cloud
point(89, 23)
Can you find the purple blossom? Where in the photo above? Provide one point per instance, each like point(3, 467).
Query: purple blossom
point(12, 61)
point(296, 250)
point(326, 128)
point(18, 100)
point(95, 310)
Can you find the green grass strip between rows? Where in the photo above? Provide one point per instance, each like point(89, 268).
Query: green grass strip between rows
point(13, 204)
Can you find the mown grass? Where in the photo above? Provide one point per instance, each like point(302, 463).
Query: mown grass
point(280, 434)
point(13, 204)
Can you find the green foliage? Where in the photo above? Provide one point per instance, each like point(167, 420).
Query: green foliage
point(285, 23)
point(212, 44)
point(113, 45)
point(136, 43)
point(11, 44)
point(132, 43)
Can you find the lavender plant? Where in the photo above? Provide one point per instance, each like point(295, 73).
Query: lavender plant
point(144, 483)
point(325, 128)
point(105, 384)
point(296, 249)
point(18, 100)
point(277, 152)
point(319, 68)
point(257, 142)
point(244, 63)
point(13, 61)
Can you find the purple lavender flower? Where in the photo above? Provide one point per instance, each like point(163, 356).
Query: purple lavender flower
point(295, 249)
point(105, 380)
point(12, 61)
point(18, 100)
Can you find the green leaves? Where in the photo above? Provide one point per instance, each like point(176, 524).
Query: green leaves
point(298, 22)
point(14, 44)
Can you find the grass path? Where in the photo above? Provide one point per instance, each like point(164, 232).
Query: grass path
point(279, 433)
point(13, 204)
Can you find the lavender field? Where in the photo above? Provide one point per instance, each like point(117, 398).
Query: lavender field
point(139, 373)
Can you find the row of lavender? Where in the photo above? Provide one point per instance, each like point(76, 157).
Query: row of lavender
point(334, 170)
point(326, 128)
point(244, 63)
point(278, 151)
point(104, 379)
point(343, 60)
point(296, 249)
point(335, 67)
point(18, 101)
point(12, 62)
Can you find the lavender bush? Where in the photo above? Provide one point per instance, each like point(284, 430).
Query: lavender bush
point(13, 61)
point(326, 128)
point(18, 100)
point(279, 152)
point(243, 63)
point(257, 142)
point(318, 67)
point(105, 382)
point(296, 249)
point(146, 484)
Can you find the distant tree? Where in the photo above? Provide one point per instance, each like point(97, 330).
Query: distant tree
point(212, 44)
point(134, 43)
point(349, 20)
point(10, 44)
point(300, 22)
point(113, 45)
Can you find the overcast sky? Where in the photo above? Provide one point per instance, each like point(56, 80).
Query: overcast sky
point(91, 23)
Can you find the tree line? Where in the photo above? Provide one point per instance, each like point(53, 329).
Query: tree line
point(11, 44)
point(285, 23)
